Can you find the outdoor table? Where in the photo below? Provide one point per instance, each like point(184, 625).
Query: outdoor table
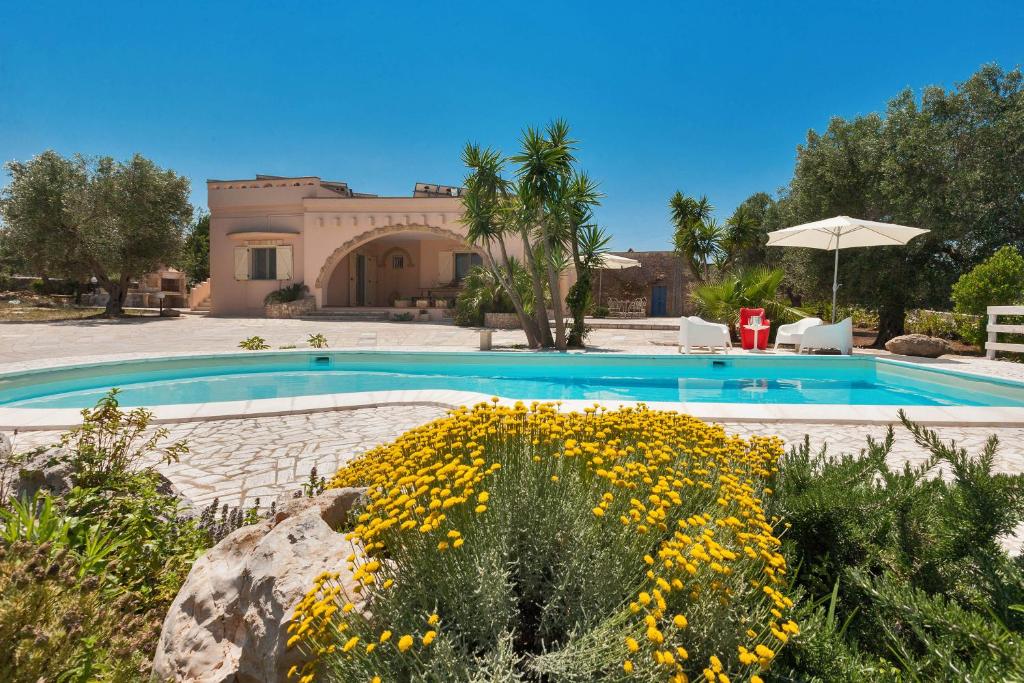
point(757, 333)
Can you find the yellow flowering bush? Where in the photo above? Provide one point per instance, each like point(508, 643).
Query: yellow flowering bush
point(523, 543)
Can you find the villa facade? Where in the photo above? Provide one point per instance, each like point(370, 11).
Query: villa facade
point(350, 249)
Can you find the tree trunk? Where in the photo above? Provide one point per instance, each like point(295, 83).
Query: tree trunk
point(508, 283)
point(556, 303)
point(540, 310)
point(118, 292)
point(890, 323)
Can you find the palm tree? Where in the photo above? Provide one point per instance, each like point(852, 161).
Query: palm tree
point(545, 162)
point(699, 239)
point(575, 229)
point(752, 288)
point(486, 202)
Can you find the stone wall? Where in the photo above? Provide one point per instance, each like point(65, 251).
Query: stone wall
point(290, 309)
point(657, 268)
point(501, 321)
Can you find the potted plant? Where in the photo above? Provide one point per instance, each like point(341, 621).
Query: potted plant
point(403, 303)
point(422, 303)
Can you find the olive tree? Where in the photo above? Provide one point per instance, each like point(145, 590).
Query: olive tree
point(951, 161)
point(79, 217)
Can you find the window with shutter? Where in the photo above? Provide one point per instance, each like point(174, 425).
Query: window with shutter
point(241, 263)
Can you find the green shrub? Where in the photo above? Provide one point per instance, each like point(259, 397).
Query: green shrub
point(402, 317)
point(56, 625)
point(292, 292)
point(722, 299)
point(483, 293)
point(109, 555)
point(999, 281)
point(317, 341)
point(255, 343)
point(524, 544)
point(601, 311)
point(952, 326)
point(899, 568)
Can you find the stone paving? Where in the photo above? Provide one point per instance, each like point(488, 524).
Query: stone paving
point(241, 460)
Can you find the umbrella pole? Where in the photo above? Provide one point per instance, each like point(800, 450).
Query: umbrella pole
point(835, 281)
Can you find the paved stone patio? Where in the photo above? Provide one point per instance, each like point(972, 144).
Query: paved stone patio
point(239, 461)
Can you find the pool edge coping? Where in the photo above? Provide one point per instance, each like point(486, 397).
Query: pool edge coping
point(45, 419)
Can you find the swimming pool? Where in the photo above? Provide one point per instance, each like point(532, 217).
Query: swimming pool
point(769, 380)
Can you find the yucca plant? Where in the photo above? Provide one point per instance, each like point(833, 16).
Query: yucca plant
point(721, 300)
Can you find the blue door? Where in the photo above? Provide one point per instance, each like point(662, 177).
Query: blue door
point(659, 301)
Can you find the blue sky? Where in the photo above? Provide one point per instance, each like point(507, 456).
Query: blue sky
point(711, 98)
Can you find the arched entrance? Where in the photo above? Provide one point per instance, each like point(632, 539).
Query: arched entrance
point(395, 263)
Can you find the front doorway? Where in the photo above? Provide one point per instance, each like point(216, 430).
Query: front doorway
point(659, 301)
point(362, 270)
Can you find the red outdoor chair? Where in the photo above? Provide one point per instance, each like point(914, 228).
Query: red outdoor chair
point(747, 336)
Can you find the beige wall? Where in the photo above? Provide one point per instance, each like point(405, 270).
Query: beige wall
point(323, 228)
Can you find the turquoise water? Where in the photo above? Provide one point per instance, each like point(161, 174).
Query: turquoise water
point(703, 379)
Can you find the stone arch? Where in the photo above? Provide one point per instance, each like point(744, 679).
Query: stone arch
point(370, 235)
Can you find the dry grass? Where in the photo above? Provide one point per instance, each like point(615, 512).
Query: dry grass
point(39, 314)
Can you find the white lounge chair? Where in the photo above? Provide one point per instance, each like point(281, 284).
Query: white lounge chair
point(696, 332)
point(838, 336)
point(793, 332)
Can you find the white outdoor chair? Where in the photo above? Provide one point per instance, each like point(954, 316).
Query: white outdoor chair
point(794, 332)
point(696, 332)
point(838, 336)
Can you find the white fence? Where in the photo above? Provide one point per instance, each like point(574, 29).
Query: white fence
point(994, 328)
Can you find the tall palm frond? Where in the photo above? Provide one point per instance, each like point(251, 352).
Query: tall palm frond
point(593, 244)
point(722, 299)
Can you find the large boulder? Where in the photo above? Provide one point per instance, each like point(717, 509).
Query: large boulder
point(918, 345)
point(44, 469)
point(229, 622)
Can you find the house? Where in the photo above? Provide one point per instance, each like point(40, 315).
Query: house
point(353, 250)
point(661, 279)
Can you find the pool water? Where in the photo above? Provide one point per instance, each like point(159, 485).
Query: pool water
point(701, 379)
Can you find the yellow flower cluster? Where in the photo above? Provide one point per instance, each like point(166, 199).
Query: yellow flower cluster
point(646, 467)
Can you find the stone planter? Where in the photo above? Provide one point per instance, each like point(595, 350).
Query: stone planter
point(440, 303)
point(502, 321)
point(403, 303)
point(290, 309)
point(422, 303)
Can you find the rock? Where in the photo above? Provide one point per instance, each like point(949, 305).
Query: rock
point(47, 469)
point(918, 345)
point(228, 622)
point(6, 448)
point(170, 313)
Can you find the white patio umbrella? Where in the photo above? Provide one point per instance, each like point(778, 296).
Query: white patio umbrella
point(842, 232)
point(613, 262)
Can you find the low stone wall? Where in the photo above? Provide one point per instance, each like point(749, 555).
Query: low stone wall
point(502, 321)
point(290, 309)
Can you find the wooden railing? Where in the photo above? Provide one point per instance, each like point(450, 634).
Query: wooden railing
point(994, 329)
